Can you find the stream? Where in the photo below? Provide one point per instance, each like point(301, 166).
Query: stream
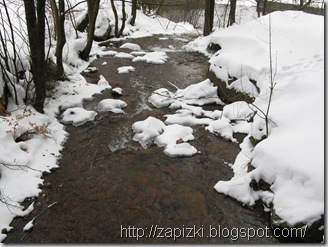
point(108, 189)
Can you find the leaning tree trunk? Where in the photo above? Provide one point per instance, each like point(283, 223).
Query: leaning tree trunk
point(209, 16)
point(93, 8)
point(232, 14)
point(35, 21)
point(133, 12)
point(59, 16)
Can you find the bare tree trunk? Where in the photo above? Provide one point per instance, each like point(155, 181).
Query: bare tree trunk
point(116, 18)
point(93, 8)
point(35, 20)
point(209, 16)
point(258, 8)
point(133, 12)
point(265, 6)
point(59, 16)
point(232, 15)
point(123, 18)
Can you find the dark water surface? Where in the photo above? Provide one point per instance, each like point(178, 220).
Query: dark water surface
point(110, 190)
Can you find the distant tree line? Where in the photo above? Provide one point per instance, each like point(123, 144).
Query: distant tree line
point(11, 65)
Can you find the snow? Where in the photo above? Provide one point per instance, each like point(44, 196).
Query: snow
point(173, 133)
point(291, 158)
point(113, 105)
point(186, 118)
point(200, 94)
point(172, 137)
point(77, 116)
point(243, 84)
point(90, 70)
point(147, 130)
point(103, 83)
point(106, 53)
point(239, 110)
point(223, 128)
point(124, 55)
point(118, 90)
point(197, 94)
point(131, 46)
point(148, 26)
point(125, 69)
point(29, 225)
point(45, 134)
point(180, 150)
point(155, 57)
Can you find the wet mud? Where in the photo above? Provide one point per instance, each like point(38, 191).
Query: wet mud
point(107, 183)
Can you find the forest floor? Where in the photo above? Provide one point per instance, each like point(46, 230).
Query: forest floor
point(107, 183)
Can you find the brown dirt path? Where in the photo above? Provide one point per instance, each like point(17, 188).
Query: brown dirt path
point(106, 182)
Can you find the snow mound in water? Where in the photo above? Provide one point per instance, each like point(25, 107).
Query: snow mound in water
point(156, 57)
point(147, 130)
point(77, 116)
point(113, 105)
point(131, 46)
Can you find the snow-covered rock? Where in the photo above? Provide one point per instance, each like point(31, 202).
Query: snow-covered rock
point(77, 116)
point(113, 105)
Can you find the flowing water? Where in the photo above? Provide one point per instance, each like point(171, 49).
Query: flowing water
point(108, 189)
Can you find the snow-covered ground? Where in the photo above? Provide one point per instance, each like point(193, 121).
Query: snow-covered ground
point(31, 142)
point(291, 158)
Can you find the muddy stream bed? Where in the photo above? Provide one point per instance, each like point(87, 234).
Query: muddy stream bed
point(107, 183)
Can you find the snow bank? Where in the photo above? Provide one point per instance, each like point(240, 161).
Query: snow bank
point(148, 26)
point(42, 136)
point(30, 145)
point(243, 84)
point(284, 159)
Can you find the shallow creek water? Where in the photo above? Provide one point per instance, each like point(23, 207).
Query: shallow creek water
point(108, 189)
